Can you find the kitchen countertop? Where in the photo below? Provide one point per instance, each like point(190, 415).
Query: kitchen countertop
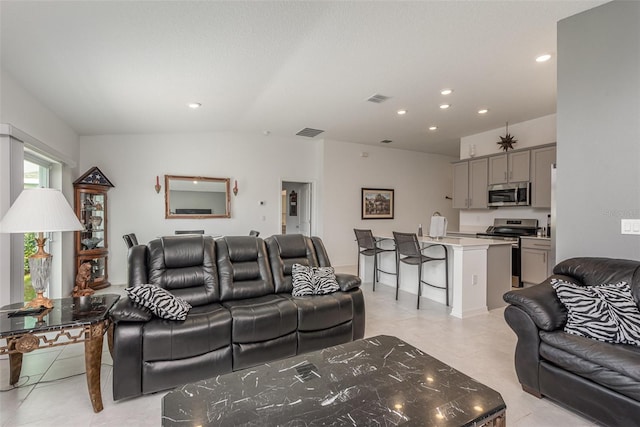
point(456, 241)
point(536, 238)
point(463, 241)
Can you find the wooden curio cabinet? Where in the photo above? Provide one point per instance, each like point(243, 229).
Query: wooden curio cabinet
point(92, 244)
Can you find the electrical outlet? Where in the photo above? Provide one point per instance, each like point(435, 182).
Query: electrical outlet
point(630, 226)
point(474, 279)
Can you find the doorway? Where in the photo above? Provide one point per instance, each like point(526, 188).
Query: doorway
point(296, 210)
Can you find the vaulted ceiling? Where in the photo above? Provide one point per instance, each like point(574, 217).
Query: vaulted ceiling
point(107, 67)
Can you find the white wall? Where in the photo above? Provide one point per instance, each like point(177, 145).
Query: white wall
point(259, 164)
point(598, 177)
point(420, 180)
point(132, 162)
point(24, 112)
point(529, 134)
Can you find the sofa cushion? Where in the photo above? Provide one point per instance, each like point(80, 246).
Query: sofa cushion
point(611, 365)
point(243, 268)
point(319, 312)
point(313, 280)
point(184, 265)
point(606, 312)
point(206, 328)
point(261, 319)
point(161, 302)
point(285, 250)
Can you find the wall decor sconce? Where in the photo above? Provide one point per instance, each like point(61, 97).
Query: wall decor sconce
point(158, 186)
point(235, 187)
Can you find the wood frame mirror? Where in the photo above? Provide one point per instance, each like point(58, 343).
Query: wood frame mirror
point(196, 197)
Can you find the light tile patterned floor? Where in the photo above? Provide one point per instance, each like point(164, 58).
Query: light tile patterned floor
point(53, 389)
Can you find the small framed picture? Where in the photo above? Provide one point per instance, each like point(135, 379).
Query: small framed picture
point(377, 203)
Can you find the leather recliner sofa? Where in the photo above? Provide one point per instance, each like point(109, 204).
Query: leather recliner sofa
point(242, 314)
point(600, 380)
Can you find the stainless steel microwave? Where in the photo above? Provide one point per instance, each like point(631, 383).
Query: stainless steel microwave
point(509, 194)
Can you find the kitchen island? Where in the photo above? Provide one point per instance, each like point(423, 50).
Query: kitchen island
point(479, 273)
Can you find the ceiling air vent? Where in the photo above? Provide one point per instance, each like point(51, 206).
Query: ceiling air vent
point(386, 141)
point(309, 132)
point(377, 98)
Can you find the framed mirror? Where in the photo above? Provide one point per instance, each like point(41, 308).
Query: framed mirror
point(196, 197)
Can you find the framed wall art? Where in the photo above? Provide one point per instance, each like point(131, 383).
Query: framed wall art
point(377, 203)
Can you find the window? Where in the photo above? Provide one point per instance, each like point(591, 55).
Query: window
point(36, 174)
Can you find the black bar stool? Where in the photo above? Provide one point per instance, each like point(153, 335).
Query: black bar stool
point(368, 246)
point(408, 251)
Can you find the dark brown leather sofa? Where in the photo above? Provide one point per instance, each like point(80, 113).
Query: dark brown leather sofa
point(597, 379)
point(242, 314)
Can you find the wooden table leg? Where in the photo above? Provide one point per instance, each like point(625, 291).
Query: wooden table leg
point(110, 339)
point(15, 366)
point(15, 362)
point(92, 363)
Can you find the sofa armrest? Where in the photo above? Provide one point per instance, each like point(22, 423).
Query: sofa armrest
point(126, 311)
point(541, 303)
point(348, 281)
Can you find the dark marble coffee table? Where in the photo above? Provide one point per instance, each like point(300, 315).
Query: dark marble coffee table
point(379, 381)
point(71, 320)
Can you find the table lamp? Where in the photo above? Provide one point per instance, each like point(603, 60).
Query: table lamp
point(40, 210)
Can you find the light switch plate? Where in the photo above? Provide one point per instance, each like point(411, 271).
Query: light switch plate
point(630, 226)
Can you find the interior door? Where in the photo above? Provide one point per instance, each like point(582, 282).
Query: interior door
point(297, 208)
point(304, 200)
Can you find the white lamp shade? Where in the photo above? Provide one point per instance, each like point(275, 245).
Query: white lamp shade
point(40, 209)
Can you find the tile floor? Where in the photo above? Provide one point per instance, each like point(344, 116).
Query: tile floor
point(53, 389)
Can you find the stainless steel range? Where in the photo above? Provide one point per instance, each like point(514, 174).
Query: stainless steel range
point(511, 229)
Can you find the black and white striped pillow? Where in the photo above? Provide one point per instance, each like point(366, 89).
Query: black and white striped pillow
point(302, 280)
point(161, 302)
point(324, 280)
point(313, 280)
point(605, 312)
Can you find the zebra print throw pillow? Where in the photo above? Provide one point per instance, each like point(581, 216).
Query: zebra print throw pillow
point(302, 280)
point(161, 302)
point(606, 312)
point(313, 280)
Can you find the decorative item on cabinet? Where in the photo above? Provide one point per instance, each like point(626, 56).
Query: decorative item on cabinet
point(91, 244)
point(506, 142)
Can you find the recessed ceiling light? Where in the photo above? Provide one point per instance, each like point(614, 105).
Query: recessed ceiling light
point(402, 112)
point(194, 105)
point(543, 58)
point(433, 127)
point(483, 111)
point(444, 106)
point(446, 91)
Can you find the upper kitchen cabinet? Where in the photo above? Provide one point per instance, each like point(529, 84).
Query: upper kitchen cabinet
point(511, 167)
point(470, 184)
point(542, 160)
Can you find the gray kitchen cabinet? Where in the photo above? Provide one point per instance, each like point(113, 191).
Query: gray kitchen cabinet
point(509, 167)
point(541, 161)
point(535, 259)
point(470, 184)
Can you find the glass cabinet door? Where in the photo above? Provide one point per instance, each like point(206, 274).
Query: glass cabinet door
point(93, 220)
